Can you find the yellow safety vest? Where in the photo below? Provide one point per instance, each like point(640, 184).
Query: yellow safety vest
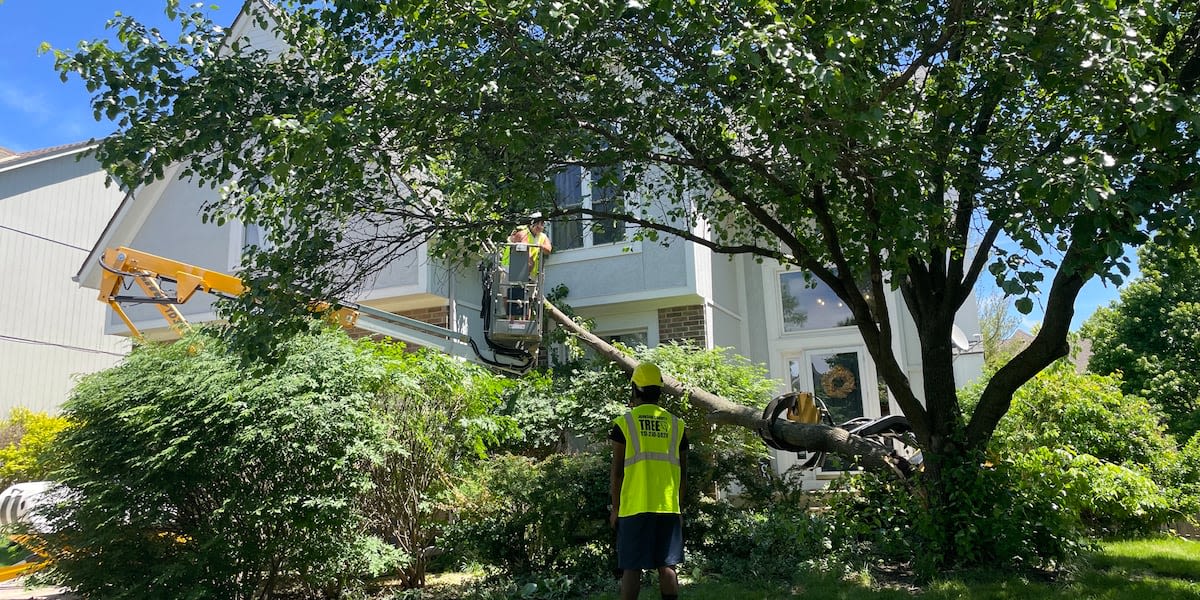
point(535, 250)
point(652, 462)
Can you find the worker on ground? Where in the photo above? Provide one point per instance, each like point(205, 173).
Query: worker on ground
point(647, 478)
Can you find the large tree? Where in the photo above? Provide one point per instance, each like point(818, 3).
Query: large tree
point(1152, 335)
point(916, 144)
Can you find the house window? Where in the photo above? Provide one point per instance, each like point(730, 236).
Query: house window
point(253, 234)
point(808, 307)
point(561, 354)
point(632, 339)
point(597, 188)
point(243, 236)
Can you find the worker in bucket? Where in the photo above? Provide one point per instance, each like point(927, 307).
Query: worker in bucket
point(647, 480)
point(535, 236)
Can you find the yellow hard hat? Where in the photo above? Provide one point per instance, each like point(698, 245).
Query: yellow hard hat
point(647, 374)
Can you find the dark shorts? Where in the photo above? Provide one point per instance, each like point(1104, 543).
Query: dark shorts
point(649, 541)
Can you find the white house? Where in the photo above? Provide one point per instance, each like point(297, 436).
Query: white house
point(53, 206)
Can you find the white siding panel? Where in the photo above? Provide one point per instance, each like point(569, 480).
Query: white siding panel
point(51, 330)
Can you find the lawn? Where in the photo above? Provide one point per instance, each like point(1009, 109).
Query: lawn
point(1150, 569)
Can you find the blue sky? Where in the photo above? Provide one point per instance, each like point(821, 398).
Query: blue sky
point(38, 110)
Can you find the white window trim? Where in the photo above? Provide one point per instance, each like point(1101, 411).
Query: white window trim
point(237, 236)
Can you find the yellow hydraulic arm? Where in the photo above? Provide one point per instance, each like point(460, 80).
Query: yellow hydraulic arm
point(148, 270)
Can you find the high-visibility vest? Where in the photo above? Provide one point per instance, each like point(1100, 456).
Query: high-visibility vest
point(535, 250)
point(652, 462)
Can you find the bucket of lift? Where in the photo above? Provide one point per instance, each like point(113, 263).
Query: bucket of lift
point(516, 297)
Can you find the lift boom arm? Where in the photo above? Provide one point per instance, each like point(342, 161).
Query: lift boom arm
point(148, 271)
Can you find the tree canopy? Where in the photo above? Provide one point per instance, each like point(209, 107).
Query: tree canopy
point(1151, 335)
point(918, 145)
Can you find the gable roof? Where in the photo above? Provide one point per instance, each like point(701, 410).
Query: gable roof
point(140, 202)
point(10, 160)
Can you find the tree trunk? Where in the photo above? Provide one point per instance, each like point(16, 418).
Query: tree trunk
point(721, 411)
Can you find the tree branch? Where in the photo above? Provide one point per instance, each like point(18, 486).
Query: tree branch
point(721, 411)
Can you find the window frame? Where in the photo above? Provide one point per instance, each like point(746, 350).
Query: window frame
point(589, 248)
point(237, 243)
point(782, 317)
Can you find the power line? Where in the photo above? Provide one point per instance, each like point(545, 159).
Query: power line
point(22, 340)
point(34, 235)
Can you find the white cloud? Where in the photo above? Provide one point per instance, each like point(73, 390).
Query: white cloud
point(32, 106)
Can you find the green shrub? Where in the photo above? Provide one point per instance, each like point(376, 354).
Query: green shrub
point(769, 543)
point(1014, 523)
point(26, 439)
point(1088, 413)
point(194, 476)
point(527, 517)
point(1108, 498)
point(438, 414)
point(1109, 451)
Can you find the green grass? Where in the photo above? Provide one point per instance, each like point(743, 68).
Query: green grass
point(1149, 569)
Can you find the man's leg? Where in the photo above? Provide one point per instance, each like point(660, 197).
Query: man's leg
point(668, 582)
point(631, 584)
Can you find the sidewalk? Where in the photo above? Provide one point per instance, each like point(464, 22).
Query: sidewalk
point(15, 590)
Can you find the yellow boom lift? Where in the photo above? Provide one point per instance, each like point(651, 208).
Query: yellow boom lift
point(512, 307)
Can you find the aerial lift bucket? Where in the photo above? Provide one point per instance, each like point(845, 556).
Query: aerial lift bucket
point(516, 297)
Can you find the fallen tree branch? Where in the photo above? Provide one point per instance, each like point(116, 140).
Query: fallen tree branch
point(813, 438)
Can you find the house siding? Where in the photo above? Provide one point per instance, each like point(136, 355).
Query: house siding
point(651, 268)
point(51, 331)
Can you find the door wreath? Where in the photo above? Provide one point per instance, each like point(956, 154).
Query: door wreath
point(838, 382)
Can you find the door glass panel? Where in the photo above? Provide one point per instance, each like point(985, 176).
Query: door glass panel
point(835, 380)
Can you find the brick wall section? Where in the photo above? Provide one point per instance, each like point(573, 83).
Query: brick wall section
point(681, 323)
point(436, 315)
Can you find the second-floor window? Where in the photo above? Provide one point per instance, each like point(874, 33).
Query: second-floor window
point(808, 307)
point(598, 189)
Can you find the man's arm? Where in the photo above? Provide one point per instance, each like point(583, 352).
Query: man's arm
point(683, 472)
point(616, 477)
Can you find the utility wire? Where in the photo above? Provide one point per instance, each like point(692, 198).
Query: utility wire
point(34, 235)
point(22, 340)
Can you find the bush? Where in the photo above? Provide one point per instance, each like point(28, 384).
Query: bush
point(27, 437)
point(1109, 451)
point(1108, 499)
point(194, 476)
point(769, 543)
point(1087, 413)
point(1014, 523)
point(438, 414)
point(525, 517)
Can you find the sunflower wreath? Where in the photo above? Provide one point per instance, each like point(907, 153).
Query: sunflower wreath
point(838, 382)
